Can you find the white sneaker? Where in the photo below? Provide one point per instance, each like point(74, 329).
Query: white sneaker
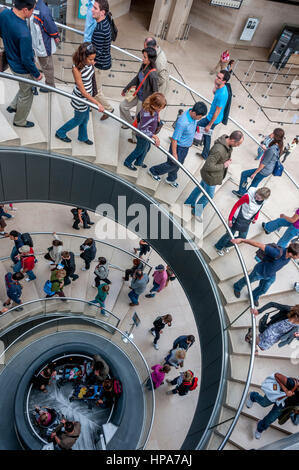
point(156, 346)
point(153, 333)
point(257, 434)
point(12, 217)
point(83, 269)
point(94, 286)
point(27, 279)
point(219, 252)
point(249, 402)
point(226, 250)
point(174, 184)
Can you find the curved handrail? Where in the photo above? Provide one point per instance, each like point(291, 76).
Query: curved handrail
point(95, 239)
point(98, 323)
point(194, 180)
point(62, 300)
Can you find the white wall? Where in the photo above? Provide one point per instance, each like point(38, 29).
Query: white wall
point(117, 7)
point(227, 24)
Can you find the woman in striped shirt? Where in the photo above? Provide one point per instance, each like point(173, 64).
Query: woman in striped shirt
point(83, 71)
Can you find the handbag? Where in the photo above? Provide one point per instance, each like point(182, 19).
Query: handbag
point(3, 61)
point(131, 93)
point(278, 169)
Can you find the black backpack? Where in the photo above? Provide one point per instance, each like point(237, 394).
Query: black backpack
point(262, 255)
point(27, 240)
point(114, 29)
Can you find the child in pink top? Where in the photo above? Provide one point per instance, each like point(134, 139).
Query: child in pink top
point(158, 375)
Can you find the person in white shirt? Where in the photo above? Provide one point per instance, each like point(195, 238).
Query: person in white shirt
point(289, 149)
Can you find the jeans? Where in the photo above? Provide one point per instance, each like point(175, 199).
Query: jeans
point(262, 288)
point(170, 167)
point(203, 201)
point(225, 241)
point(4, 214)
point(157, 333)
point(154, 289)
point(133, 297)
point(254, 183)
point(206, 138)
point(14, 253)
point(290, 233)
point(17, 268)
point(271, 416)
point(138, 155)
point(80, 119)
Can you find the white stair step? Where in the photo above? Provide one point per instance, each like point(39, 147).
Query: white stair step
point(57, 121)
point(7, 132)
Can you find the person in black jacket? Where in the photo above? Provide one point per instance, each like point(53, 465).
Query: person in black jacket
point(183, 383)
point(68, 263)
point(148, 72)
point(81, 216)
point(89, 251)
point(183, 342)
point(137, 266)
point(159, 324)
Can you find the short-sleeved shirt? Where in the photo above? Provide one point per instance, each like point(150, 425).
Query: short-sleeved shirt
point(270, 266)
point(296, 224)
point(185, 130)
point(269, 160)
point(225, 56)
point(220, 99)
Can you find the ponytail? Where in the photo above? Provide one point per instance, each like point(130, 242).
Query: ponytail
point(278, 139)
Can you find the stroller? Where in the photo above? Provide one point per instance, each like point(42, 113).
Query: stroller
point(88, 393)
point(72, 373)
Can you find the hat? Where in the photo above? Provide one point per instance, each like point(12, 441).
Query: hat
point(160, 267)
point(59, 266)
point(24, 249)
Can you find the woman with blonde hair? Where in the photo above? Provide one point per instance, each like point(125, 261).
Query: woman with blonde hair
point(147, 122)
point(176, 358)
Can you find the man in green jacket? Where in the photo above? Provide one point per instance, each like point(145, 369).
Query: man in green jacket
point(214, 170)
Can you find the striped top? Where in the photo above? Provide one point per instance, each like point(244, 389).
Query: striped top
point(101, 39)
point(86, 75)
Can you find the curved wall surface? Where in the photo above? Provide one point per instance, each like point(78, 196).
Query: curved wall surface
point(34, 176)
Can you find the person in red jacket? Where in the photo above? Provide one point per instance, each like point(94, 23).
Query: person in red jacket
point(26, 263)
point(244, 212)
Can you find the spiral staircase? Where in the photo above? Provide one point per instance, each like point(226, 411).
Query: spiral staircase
point(108, 152)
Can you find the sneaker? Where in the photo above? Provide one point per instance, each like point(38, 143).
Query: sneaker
point(94, 286)
point(249, 402)
point(219, 252)
point(237, 194)
point(131, 167)
point(156, 346)
point(266, 231)
point(9, 109)
point(28, 124)
point(19, 309)
point(27, 279)
point(83, 269)
point(64, 139)
point(174, 184)
point(237, 293)
point(256, 302)
point(152, 332)
point(257, 434)
point(149, 296)
point(155, 177)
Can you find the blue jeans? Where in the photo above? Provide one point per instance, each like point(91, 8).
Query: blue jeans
point(4, 214)
point(254, 183)
point(260, 153)
point(271, 416)
point(170, 167)
point(139, 153)
point(203, 201)
point(14, 253)
point(154, 289)
point(290, 233)
point(80, 119)
point(133, 297)
point(225, 241)
point(262, 288)
point(206, 138)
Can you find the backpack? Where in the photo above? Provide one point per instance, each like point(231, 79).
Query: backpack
point(27, 240)
point(194, 383)
point(114, 29)
point(278, 169)
point(48, 288)
point(263, 257)
point(117, 387)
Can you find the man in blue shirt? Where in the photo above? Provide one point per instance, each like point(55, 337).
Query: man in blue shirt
point(18, 47)
point(215, 115)
point(275, 258)
point(181, 141)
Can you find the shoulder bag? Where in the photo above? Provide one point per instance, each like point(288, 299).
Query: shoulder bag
point(132, 92)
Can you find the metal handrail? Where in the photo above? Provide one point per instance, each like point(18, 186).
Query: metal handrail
point(194, 180)
point(99, 323)
point(64, 234)
point(62, 300)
